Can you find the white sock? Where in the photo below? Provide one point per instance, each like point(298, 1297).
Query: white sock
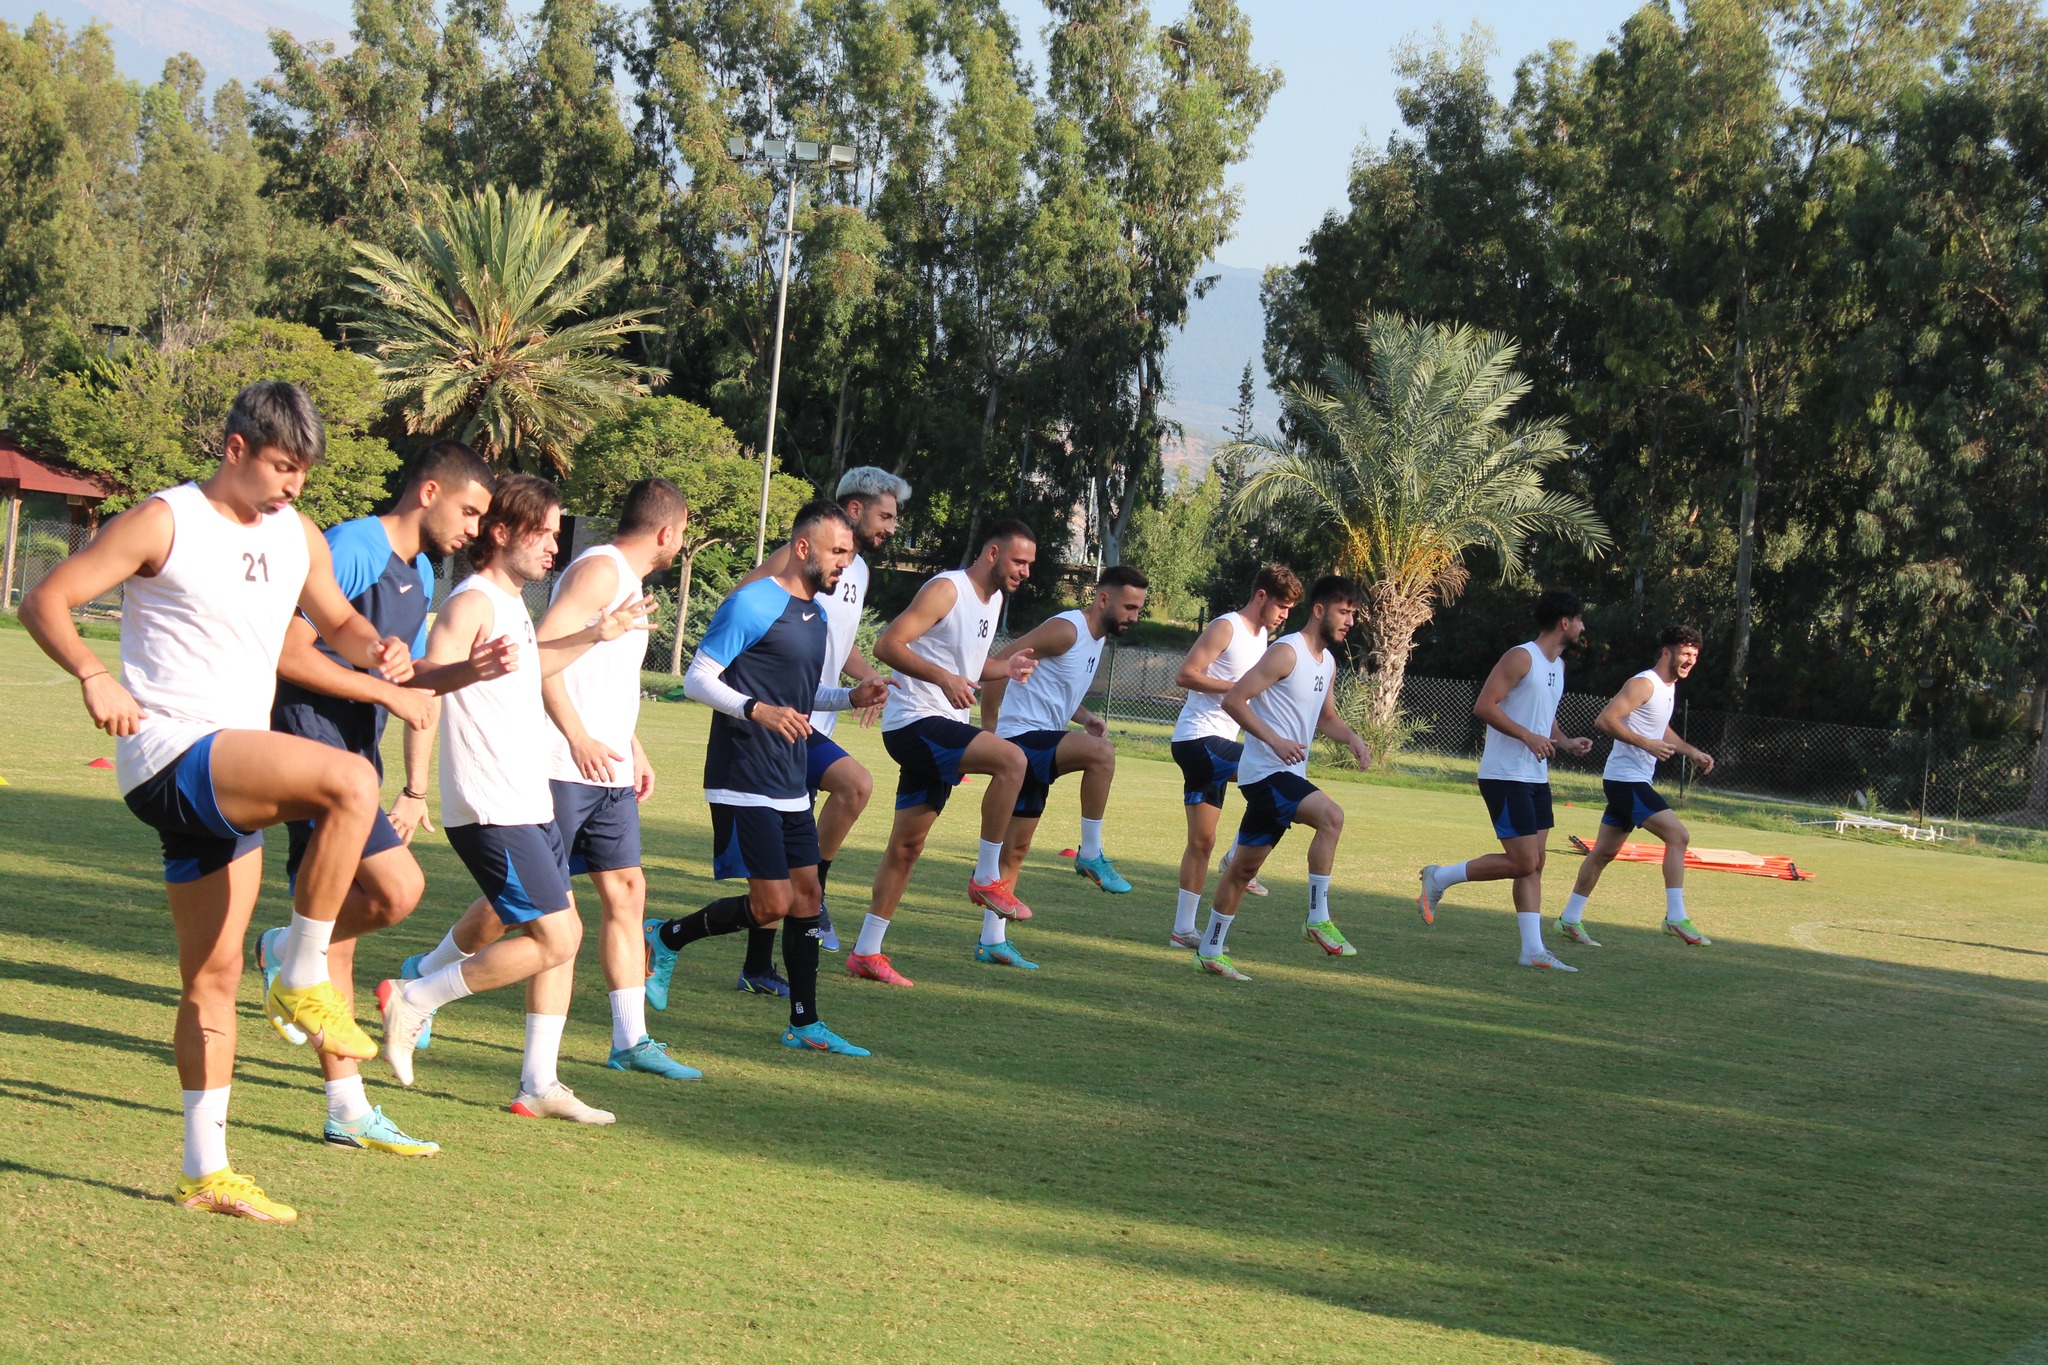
point(992, 929)
point(206, 1131)
point(345, 1099)
point(988, 866)
point(304, 960)
point(871, 930)
point(543, 1051)
point(1318, 899)
point(432, 992)
point(1574, 908)
point(445, 954)
point(1184, 911)
point(1091, 838)
point(629, 1016)
point(1532, 932)
point(1450, 874)
point(1219, 929)
point(1674, 904)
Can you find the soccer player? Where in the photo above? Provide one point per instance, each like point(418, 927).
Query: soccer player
point(873, 499)
point(1519, 705)
point(939, 648)
point(1639, 719)
point(382, 567)
point(1205, 738)
point(758, 668)
point(1034, 716)
point(496, 806)
point(213, 572)
point(1283, 703)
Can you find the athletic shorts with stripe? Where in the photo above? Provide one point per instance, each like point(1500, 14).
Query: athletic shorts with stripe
point(1269, 807)
point(1041, 769)
point(1207, 766)
point(820, 753)
point(600, 826)
point(760, 841)
point(521, 869)
point(1630, 804)
point(928, 753)
point(1517, 809)
point(178, 804)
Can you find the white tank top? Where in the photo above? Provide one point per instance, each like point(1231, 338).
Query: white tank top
point(494, 747)
point(603, 685)
point(1531, 704)
point(200, 640)
point(1627, 763)
point(959, 643)
point(1291, 707)
point(842, 626)
point(1047, 699)
point(1202, 714)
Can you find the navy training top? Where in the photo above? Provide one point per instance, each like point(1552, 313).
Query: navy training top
point(771, 645)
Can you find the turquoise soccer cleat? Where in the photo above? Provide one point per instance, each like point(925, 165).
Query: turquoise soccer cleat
point(1003, 955)
point(818, 1038)
point(661, 963)
point(1102, 871)
point(374, 1132)
point(651, 1057)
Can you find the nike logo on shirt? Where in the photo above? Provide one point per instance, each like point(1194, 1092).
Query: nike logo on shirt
point(406, 587)
point(810, 616)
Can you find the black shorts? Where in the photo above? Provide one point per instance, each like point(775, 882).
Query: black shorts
point(1630, 804)
point(1207, 766)
point(760, 841)
point(600, 826)
point(928, 753)
point(1269, 807)
point(1041, 769)
point(178, 804)
point(1517, 809)
point(521, 869)
point(299, 834)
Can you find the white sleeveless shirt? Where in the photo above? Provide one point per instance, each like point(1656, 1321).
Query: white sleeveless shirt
point(494, 735)
point(959, 643)
point(842, 627)
point(200, 640)
point(1291, 707)
point(1627, 763)
point(1202, 714)
point(1531, 704)
point(1047, 699)
point(603, 685)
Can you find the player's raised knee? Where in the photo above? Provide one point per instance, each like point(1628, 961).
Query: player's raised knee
point(348, 784)
point(395, 892)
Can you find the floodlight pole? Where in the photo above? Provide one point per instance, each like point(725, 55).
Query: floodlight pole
point(775, 370)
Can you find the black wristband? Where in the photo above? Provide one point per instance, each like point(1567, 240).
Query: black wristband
point(747, 711)
point(408, 791)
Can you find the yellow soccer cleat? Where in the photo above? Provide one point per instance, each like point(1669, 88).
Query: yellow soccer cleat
point(231, 1194)
point(317, 1012)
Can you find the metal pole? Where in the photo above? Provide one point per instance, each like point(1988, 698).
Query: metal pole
point(775, 371)
point(1926, 765)
point(1684, 763)
point(1109, 688)
point(13, 529)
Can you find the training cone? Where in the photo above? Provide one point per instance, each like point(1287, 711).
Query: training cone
point(3, 781)
point(101, 763)
point(1070, 853)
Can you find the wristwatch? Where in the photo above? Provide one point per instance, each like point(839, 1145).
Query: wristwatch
point(747, 711)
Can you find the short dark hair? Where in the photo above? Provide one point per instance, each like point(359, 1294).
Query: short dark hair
point(1009, 528)
point(1122, 576)
point(1278, 582)
point(1554, 605)
point(450, 464)
point(275, 413)
point(1677, 637)
point(815, 513)
point(520, 504)
point(650, 505)
point(1333, 588)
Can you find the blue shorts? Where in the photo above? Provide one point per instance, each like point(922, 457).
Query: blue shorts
point(928, 753)
point(600, 826)
point(759, 841)
point(1269, 807)
point(299, 834)
point(1630, 804)
point(820, 753)
point(1041, 769)
point(1207, 766)
point(178, 804)
point(1517, 809)
point(520, 868)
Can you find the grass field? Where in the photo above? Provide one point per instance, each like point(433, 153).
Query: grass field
point(1820, 1139)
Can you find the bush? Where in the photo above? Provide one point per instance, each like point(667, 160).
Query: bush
point(1388, 740)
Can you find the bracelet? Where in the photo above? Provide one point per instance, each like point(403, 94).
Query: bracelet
point(90, 676)
point(408, 791)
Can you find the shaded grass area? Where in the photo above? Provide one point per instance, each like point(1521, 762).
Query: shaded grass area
point(1817, 1140)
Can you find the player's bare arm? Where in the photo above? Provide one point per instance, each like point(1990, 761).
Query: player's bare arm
point(1613, 720)
point(134, 544)
point(558, 653)
point(1330, 725)
point(1512, 668)
point(589, 585)
point(301, 663)
point(926, 610)
point(1194, 669)
point(1046, 640)
point(339, 623)
point(409, 811)
point(1275, 664)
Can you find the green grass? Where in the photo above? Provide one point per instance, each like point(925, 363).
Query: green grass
point(1818, 1140)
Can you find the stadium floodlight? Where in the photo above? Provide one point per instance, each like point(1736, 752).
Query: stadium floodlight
point(807, 151)
point(775, 149)
point(839, 157)
point(736, 147)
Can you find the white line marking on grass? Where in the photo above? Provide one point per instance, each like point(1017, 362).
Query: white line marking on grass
point(1807, 935)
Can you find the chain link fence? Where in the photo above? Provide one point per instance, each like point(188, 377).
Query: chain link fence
point(39, 547)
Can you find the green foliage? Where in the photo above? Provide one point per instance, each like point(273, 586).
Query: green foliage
point(1363, 703)
point(1174, 542)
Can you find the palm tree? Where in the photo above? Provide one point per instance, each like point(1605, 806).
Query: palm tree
point(1412, 466)
point(472, 336)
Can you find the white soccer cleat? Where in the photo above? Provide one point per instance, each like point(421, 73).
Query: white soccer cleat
point(1426, 902)
point(560, 1102)
point(402, 1025)
point(1547, 960)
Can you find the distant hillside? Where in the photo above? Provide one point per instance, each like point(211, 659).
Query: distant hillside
point(1224, 330)
point(229, 37)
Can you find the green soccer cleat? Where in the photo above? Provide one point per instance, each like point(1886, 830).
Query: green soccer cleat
point(1219, 966)
point(373, 1132)
point(1576, 932)
point(1686, 930)
point(1329, 938)
point(1103, 873)
point(1002, 955)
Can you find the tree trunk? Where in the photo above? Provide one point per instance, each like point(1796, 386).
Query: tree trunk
point(1389, 622)
point(1746, 411)
point(1649, 508)
point(839, 432)
point(2036, 812)
point(675, 649)
point(988, 421)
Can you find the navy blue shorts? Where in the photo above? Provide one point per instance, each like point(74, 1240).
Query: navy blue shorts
point(600, 826)
point(820, 753)
point(928, 753)
point(299, 834)
point(1269, 807)
point(178, 804)
point(1207, 766)
point(520, 868)
point(1041, 769)
point(1630, 804)
point(1517, 809)
point(759, 841)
